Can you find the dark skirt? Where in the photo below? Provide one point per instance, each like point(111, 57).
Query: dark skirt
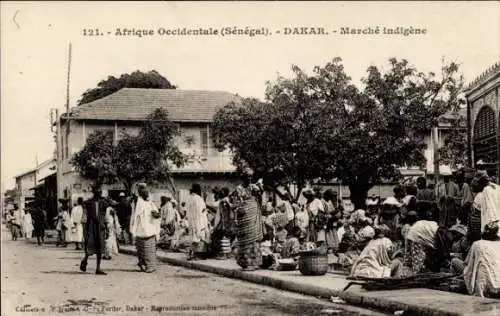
point(94, 236)
point(146, 252)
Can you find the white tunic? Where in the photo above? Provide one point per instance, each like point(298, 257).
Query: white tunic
point(76, 219)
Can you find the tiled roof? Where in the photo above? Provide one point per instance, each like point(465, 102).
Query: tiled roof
point(137, 104)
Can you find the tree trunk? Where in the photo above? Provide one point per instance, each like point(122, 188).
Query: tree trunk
point(300, 186)
point(359, 194)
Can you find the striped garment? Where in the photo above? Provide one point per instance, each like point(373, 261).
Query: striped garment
point(146, 252)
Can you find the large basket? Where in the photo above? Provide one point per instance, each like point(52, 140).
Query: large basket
point(313, 263)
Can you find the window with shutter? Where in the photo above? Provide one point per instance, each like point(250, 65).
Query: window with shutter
point(485, 144)
point(204, 142)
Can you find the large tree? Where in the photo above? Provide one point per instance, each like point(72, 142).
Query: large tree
point(322, 126)
point(147, 156)
point(95, 160)
point(137, 79)
point(454, 149)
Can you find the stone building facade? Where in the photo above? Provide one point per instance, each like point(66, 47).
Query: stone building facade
point(483, 113)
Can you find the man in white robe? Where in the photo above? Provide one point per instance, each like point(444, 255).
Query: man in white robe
point(197, 219)
point(145, 227)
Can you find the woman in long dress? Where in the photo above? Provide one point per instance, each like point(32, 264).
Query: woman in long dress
point(27, 225)
point(249, 224)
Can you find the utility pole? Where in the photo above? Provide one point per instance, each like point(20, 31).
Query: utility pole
point(60, 146)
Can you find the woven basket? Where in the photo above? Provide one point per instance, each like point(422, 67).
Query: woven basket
point(313, 263)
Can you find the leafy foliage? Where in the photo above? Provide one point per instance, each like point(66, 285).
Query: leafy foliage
point(95, 160)
point(137, 79)
point(322, 126)
point(145, 157)
point(455, 143)
point(148, 156)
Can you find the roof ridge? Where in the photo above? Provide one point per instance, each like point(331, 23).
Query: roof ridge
point(484, 75)
point(133, 103)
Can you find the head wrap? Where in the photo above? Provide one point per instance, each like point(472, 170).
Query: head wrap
point(461, 229)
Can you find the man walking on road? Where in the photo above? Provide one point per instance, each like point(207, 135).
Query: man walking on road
point(94, 231)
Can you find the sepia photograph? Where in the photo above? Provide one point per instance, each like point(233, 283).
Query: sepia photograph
point(250, 158)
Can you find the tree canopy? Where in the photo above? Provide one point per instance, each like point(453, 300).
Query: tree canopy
point(137, 79)
point(147, 156)
point(323, 126)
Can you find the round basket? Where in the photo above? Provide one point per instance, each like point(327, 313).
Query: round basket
point(313, 263)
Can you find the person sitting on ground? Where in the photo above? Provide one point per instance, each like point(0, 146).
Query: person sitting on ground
point(481, 266)
point(427, 248)
point(365, 233)
point(411, 218)
point(375, 259)
point(291, 247)
point(461, 246)
point(357, 234)
point(389, 215)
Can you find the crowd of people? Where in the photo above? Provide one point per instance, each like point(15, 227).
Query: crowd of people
point(451, 227)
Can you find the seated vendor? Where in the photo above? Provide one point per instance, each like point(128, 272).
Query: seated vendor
point(481, 266)
point(375, 260)
point(461, 246)
point(292, 245)
point(357, 234)
point(427, 248)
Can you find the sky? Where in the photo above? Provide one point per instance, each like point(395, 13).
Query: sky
point(35, 37)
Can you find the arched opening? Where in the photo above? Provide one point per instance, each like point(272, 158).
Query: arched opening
point(485, 141)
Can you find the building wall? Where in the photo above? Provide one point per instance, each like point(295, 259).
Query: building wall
point(213, 159)
point(207, 158)
point(490, 99)
point(487, 95)
point(23, 184)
